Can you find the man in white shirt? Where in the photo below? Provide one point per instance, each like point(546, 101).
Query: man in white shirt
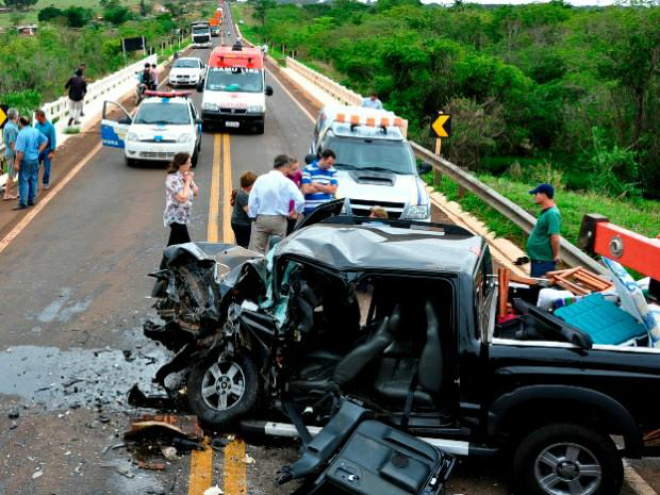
point(272, 199)
point(372, 102)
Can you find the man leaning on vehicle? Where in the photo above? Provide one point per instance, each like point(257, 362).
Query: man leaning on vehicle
point(544, 240)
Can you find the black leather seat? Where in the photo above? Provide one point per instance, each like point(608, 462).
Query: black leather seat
point(431, 362)
point(396, 372)
point(357, 360)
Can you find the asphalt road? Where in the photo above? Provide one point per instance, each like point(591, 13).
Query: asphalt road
point(72, 303)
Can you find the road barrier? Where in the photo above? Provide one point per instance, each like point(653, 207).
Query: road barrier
point(114, 85)
point(571, 254)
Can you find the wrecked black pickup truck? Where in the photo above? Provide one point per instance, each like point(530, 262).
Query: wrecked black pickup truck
point(399, 317)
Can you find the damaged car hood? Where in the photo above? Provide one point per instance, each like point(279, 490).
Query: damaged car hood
point(380, 246)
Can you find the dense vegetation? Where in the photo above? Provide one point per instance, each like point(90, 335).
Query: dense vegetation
point(35, 68)
point(573, 92)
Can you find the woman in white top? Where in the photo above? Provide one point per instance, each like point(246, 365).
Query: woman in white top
point(180, 189)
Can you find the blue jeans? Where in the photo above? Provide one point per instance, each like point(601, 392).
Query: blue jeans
point(27, 182)
point(43, 158)
point(540, 268)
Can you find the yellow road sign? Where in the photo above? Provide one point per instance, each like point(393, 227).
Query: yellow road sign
point(3, 115)
point(441, 126)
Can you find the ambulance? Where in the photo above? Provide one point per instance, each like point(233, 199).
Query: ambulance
point(375, 163)
point(235, 90)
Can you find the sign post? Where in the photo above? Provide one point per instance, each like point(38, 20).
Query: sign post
point(3, 115)
point(440, 128)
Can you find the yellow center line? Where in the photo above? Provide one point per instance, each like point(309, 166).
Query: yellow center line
point(201, 469)
point(214, 199)
point(227, 232)
point(235, 469)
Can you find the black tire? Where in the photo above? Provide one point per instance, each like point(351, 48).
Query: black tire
point(595, 449)
point(223, 418)
point(260, 128)
point(195, 158)
point(131, 162)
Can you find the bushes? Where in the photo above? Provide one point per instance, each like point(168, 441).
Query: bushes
point(75, 17)
point(553, 72)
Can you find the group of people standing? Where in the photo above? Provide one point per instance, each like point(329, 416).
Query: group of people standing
point(27, 148)
point(263, 207)
point(277, 200)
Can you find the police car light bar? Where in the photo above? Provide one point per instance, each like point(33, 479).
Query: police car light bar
point(167, 94)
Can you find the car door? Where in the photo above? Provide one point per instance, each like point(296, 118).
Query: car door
point(115, 123)
point(197, 123)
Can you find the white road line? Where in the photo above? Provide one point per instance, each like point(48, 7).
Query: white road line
point(635, 481)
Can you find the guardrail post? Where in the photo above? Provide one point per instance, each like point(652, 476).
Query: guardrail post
point(437, 177)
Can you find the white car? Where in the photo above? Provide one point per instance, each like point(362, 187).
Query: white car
point(375, 163)
point(165, 123)
point(188, 71)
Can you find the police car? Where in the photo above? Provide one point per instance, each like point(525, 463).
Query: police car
point(165, 123)
point(375, 163)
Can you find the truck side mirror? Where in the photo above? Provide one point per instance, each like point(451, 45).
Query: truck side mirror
point(269, 91)
point(200, 86)
point(424, 168)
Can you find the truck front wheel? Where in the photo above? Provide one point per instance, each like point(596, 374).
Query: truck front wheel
point(565, 458)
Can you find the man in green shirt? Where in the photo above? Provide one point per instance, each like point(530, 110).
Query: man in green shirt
point(543, 242)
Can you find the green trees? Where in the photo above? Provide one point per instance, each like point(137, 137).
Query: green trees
point(551, 76)
point(261, 8)
point(75, 17)
point(116, 13)
point(20, 4)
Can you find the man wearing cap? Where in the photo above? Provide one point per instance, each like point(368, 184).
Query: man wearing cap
point(543, 243)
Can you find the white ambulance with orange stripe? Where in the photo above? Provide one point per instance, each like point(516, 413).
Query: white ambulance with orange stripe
point(375, 163)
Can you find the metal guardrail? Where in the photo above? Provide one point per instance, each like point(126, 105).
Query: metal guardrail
point(570, 253)
point(58, 109)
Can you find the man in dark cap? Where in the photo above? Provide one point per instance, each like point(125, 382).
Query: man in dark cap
point(544, 240)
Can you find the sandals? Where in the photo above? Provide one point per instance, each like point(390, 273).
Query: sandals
point(9, 198)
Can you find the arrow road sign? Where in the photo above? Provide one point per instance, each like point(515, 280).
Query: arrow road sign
point(441, 126)
point(3, 115)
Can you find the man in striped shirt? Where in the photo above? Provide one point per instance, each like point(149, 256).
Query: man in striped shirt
point(319, 182)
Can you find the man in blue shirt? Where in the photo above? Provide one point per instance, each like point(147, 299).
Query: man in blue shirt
point(29, 143)
point(9, 135)
point(319, 182)
point(45, 127)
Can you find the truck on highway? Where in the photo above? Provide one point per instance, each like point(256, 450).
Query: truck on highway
point(215, 26)
point(235, 89)
point(201, 34)
point(402, 317)
point(375, 163)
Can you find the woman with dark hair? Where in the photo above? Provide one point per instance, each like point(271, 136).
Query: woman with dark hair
point(180, 189)
point(241, 223)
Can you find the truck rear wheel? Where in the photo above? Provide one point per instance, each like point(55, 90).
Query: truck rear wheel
point(567, 459)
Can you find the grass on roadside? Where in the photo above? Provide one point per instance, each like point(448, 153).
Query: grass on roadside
point(640, 216)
